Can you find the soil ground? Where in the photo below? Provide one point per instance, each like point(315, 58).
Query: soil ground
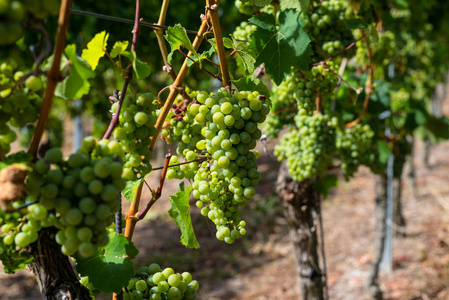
point(261, 265)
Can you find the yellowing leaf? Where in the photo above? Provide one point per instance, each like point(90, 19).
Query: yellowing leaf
point(95, 49)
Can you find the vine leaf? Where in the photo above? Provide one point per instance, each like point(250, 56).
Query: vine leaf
point(12, 259)
point(111, 268)
point(180, 213)
point(260, 3)
point(118, 48)
point(177, 37)
point(95, 49)
point(141, 68)
point(252, 83)
point(248, 57)
point(131, 188)
point(324, 184)
point(295, 4)
point(77, 82)
point(285, 47)
point(201, 56)
point(356, 24)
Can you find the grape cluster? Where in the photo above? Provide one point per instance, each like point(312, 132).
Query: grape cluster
point(13, 14)
point(354, 148)
point(153, 283)
point(186, 171)
point(22, 227)
point(309, 148)
point(246, 8)
point(243, 31)
point(327, 24)
point(137, 119)
point(18, 106)
point(227, 180)
point(82, 191)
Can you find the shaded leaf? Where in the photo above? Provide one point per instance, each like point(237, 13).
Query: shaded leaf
point(95, 49)
point(77, 83)
point(295, 4)
point(111, 268)
point(180, 213)
point(260, 3)
point(141, 68)
point(324, 184)
point(356, 24)
point(287, 47)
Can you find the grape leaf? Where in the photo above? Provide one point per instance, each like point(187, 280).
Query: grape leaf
point(260, 3)
point(118, 48)
point(324, 184)
point(202, 56)
point(296, 4)
point(356, 24)
point(281, 49)
point(177, 37)
point(77, 82)
point(264, 21)
point(248, 57)
point(111, 268)
point(131, 188)
point(141, 68)
point(252, 83)
point(12, 259)
point(95, 49)
point(180, 213)
point(384, 151)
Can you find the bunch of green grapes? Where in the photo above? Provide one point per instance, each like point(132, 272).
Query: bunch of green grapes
point(186, 171)
point(243, 31)
point(309, 148)
point(21, 227)
point(326, 22)
point(14, 12)
point(153, 283)
point(355, 148)
point(19, 104)
point(137, 119)
point(246, 8)
point(82, 191)
point(227, 180)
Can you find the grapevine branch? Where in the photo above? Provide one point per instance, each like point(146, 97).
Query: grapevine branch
point(53, 76)
point(211, 8)
point(156, 195)
point(128, 76)
point(369, 85)
point(160, 39)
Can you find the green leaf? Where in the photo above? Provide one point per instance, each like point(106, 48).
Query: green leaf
point(296, 4)
point(202, 56)
point(111, 268)
point(384, 151)
point(19, 157)
point(356, 24)
point(131, 188)
point(118, 48)
point(248, 57)
point(435, 129)
point(324, 184)
point(282, 49)
point(180, 213)
point(141, 68)
point(177, 37)
point(252, 83)
point(95, 49)
point(260, 3)
point(12, 259)
point(264, 21)
point(77, 83)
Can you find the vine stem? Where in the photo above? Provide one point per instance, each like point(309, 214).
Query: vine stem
point(369, 85)
point(128, 75)
point(156, 195)
point(161, 41)
point(131, 218)
point(212, 8)
point(53, 76)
